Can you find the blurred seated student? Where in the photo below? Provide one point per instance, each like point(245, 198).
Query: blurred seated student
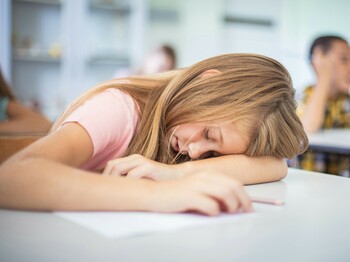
point(17, 118)
point(161, 59)
point(326, 104)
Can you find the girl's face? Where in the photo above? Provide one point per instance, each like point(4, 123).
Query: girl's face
point(203, 140)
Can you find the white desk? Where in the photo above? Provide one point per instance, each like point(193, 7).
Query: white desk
point(312, 226)
point(331, 141)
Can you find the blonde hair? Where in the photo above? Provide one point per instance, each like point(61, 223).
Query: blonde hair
point(253, 91)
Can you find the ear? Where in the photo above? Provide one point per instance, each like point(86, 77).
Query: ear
point(210, 73)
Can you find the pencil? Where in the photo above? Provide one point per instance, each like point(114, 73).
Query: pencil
point(265, 200)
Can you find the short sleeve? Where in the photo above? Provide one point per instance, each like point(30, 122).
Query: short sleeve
point(110, 118)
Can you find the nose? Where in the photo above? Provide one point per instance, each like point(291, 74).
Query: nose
point(196, 150)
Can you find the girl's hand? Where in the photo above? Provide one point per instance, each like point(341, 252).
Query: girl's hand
point(138, 166)
point(202, 192)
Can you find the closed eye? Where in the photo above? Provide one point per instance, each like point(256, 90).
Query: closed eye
point(206, 133)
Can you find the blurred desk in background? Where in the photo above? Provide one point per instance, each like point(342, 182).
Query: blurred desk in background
point(336, 141)
point(331, 141)
point(11, 143)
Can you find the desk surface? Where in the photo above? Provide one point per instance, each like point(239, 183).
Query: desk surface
point(331, 141)
point(313, 225)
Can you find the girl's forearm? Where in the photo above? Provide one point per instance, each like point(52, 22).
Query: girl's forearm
point(40, 184)
point(248, 170)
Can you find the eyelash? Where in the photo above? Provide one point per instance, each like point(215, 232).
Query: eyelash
point(206, 133)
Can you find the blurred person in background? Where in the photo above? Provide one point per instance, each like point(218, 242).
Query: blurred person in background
point(161, 59)
point(326, 104)
point(17, 118)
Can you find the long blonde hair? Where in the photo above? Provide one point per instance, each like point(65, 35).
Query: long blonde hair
point(253, 91)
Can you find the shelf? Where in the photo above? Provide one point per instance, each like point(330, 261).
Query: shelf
point(46, 2)
point(229, 19)
point(38, 58)
point(108, 60)
point(164, 15)
point(124, 9)
point(64, 43)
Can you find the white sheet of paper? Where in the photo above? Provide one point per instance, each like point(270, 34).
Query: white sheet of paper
point(128, 224)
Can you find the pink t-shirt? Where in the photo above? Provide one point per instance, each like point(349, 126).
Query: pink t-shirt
point(110, 118)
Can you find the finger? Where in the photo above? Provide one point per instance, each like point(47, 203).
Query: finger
point(229, 201)
point(111, 164)
point(225, 196)
point(149, 169)
point(205, 205)
point(244, 200)
point(235, 197)
point(139, 172)
point(107, 170)
point(239, 197)
point(111, 169)
point(122, 166)
point(228, 192)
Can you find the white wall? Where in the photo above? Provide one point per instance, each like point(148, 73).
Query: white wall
point(201, 35)
point(295, 24)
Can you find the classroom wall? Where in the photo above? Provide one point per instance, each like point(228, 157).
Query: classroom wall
point(196, 28)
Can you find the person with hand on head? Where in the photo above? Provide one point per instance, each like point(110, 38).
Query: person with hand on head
point(17, 118)
point(197, 134)
point(327, 103)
